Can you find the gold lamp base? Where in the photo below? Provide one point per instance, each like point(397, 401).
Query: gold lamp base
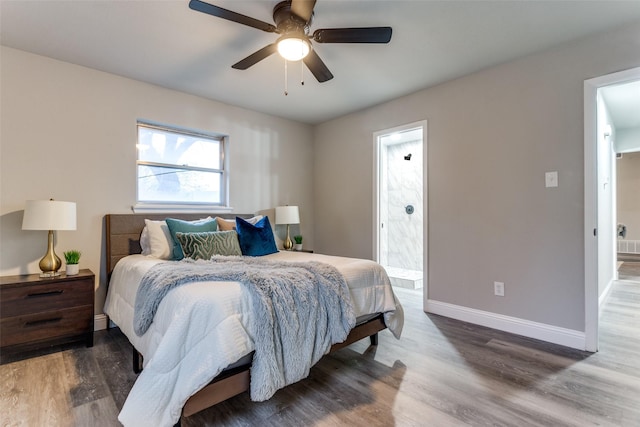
point(287, 244)
point(50, 263)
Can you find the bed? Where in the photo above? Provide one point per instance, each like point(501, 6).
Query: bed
point(197, 352)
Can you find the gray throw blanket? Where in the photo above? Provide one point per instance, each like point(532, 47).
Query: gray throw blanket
point(299, 311)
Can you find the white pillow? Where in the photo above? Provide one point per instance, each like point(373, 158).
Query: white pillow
point(156, 240)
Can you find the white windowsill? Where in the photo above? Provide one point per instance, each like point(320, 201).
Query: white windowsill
point(159, 208)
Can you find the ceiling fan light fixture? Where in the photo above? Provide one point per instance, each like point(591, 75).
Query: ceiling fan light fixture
point(293, 48)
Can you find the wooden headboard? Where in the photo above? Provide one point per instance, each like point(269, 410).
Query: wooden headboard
point(123, 232)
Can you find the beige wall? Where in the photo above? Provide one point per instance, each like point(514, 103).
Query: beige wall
point(628, 186)
point(492, 136)
point(69, 132)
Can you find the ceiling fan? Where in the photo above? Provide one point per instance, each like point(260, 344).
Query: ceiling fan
point(292, 21)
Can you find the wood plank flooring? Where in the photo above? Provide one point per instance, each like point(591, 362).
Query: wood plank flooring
point(441, 373)
point(629, 270)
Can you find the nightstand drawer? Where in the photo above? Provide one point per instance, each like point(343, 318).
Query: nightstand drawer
point(37, 312)
point(34, 298)
point(46, 325)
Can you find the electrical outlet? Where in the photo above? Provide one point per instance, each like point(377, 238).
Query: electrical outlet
point(498, 289)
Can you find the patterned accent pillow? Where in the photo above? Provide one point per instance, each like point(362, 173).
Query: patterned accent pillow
point(206, 244)
point(178, 225)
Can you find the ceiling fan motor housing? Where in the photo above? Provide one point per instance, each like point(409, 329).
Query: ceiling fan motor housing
point(288, 22)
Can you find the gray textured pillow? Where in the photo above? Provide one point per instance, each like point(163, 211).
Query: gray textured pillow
point(208, 243)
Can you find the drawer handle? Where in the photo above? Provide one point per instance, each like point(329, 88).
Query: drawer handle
point(45, 294)
point(42, 321)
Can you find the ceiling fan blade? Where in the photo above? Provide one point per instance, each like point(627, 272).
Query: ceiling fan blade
point(353, 35)
point(210, 9)
point(255, 57)
point(303, 8)
point(317, 67)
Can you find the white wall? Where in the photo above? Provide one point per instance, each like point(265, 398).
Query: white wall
point(606, 134)
point(69, 132)
point(492, 136)
point(628, 140)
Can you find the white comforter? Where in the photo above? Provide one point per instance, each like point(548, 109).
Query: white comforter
point(199, 330)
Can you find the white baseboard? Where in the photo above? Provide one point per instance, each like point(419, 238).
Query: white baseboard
point(514, 325)
point(99, 322)
point(605, 294)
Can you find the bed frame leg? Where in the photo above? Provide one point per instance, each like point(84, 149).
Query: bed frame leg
point(137, 361)
point(374, 339)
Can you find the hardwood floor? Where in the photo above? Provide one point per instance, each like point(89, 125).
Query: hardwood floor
point(441, 373)
point(629, 270)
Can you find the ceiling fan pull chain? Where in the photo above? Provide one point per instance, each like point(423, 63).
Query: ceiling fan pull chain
point(301, 73)
point(286, 92)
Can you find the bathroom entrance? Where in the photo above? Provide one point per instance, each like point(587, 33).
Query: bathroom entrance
point(401, 204)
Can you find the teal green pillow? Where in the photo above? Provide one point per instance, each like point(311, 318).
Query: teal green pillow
point(178, 225)
point(256, 240)
point(206, 244)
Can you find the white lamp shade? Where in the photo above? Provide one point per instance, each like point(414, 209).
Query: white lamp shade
point(49, 215)
point(287, 215)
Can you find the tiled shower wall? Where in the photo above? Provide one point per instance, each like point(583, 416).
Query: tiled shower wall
point(401, 185)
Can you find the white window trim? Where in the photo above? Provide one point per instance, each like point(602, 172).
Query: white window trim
point(224, 207)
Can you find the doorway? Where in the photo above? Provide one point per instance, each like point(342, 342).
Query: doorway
point(618, 111)
point(599, 177)
point(628, 211)
point(400, 204)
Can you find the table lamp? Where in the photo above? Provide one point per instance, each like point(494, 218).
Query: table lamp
point(287, 215)
point(49, 215)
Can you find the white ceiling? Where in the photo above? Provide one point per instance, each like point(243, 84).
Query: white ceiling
point(165, 43)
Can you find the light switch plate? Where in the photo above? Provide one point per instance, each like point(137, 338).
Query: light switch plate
point(551, 179)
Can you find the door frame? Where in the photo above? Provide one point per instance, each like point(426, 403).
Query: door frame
point(376, 193)
point(591, 201)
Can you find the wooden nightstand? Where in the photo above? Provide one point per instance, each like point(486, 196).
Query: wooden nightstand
point(35, 311)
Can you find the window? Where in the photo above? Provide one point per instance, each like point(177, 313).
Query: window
point(180, 167)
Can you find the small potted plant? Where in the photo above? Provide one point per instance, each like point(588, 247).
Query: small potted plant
point(72, 259)
point(298, 240)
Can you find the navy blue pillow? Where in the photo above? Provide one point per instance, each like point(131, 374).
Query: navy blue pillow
point(256, 240)
point(178, 225)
